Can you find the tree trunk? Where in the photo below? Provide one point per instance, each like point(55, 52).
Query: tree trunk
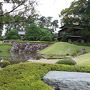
point(1, 19)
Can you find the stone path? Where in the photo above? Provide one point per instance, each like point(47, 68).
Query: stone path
point(53, 61)
point(61, 80)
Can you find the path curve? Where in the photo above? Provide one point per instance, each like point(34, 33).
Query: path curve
point(51, 61)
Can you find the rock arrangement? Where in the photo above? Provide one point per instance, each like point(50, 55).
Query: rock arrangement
point(27, 47)
point(61, 80)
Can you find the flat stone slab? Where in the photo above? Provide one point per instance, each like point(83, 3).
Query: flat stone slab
point(61, 80)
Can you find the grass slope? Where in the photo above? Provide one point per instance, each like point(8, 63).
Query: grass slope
point(63, 48)
point(83, 59)
point(5, 50)
point(28, 76)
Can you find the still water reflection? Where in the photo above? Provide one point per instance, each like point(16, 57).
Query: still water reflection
point(25, 51)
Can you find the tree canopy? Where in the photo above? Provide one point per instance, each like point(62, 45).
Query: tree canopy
point(77, 14)
point(36, 33)
point(21, 11)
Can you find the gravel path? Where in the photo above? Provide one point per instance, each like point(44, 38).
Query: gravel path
point(51, 61)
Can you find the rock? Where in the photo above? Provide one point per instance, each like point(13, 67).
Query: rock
point(61, 80)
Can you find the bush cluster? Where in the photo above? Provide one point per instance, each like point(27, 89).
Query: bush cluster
point(35, 33)
point(67, 60)
point(28, 76)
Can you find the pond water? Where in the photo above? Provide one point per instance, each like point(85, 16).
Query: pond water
point(21, 57)
point(25, 56)
point(25, 51)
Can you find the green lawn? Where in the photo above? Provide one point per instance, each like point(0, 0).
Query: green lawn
point(63, 48)
point(83, 59)
point(5, 50)
point(28, 76)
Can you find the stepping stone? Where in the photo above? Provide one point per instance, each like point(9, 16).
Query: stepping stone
point(61, 80)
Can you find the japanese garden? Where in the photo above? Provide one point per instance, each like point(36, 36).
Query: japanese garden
point(39, 52)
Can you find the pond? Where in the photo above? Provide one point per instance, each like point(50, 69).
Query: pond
point(24, 51)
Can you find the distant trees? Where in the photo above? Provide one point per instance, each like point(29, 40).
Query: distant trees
point(47, 22)
point(54, 25)
point(12, 34)
point(36, 33)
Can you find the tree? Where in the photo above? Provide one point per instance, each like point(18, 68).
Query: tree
point(21, 10)
point(78, 14)
point(47, 22)
point(54, 24)
point(36, 33)
point(42, 21)
point(1, 20)
point(12, 34)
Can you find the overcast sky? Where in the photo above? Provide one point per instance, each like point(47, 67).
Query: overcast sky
point(52, 7)
point(49, 7)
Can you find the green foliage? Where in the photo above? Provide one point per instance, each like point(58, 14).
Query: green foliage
point(1, 38)
point(78, 14)
point(35, 33)
point(12, 34)
point(17, 19)
point(67, 61)
point(27, 76)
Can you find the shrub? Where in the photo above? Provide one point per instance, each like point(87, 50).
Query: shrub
point(4, 63)
point(1, 38)
point(16, 61)
point(67, 60)
point(28, 76)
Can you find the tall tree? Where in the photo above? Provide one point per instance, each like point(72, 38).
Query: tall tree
point(78, 14)
point(21, 10)
point(42, 21)
point(1, 20)
point(55, 24)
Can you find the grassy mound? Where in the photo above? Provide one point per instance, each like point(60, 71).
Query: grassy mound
point(63, 48)
point(83, 59)
point(67, 61)
point(28, 76)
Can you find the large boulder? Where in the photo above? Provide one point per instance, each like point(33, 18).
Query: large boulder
point(61, 80)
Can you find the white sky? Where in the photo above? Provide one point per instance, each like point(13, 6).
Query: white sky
point(52, 7)
point(49, 7)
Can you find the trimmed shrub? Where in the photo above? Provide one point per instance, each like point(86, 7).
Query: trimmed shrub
point(67, 60)
point(4, 63)
point(28, 76)
point(16, 61)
